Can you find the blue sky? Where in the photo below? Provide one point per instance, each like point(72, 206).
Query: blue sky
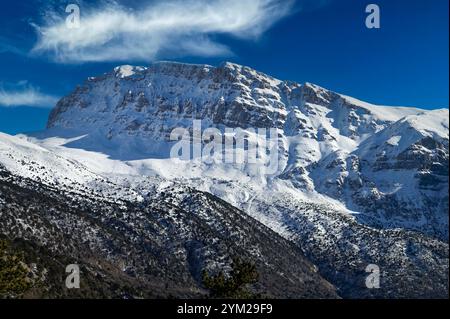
point(405, 62)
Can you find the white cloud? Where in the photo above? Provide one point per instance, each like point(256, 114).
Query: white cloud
point(26, 97)
point(165, 28)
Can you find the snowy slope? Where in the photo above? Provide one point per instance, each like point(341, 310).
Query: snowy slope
point(29, 160)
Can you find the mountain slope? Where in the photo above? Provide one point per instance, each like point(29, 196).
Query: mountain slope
point(156, 248)
point(82, 220)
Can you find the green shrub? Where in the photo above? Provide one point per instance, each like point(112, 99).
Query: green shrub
point(13, 273)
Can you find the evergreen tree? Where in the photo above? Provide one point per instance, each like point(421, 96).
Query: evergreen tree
point(235, 285)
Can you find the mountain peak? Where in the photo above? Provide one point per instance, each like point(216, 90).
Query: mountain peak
point(230, 94)
point(144, 100)
point(124, 71)
point(233, 66)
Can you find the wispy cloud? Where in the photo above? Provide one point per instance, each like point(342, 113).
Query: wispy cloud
point(164, 28)
point(26, 96)
point(6, 47)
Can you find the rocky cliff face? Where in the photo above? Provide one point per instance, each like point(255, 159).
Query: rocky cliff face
point(145, 100)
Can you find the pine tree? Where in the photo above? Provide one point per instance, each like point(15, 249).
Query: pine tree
point(234, 286)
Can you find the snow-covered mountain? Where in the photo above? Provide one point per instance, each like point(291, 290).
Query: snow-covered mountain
point(356, 183)
point(374, 160)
